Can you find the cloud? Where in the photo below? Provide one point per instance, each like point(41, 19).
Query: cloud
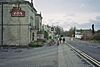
point(67, 25)
point(68, 13)
point(77, 20)
point(88, 25)
point(98, 17)
point(82, 5)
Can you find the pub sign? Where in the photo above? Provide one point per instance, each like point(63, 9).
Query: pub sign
point(17, 12)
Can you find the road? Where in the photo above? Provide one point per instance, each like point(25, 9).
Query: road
point(48, 56)
point(92, 49)
point(36, 57)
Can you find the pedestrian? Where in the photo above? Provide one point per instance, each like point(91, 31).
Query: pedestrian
point(57, 43)
point(60, 40)
point(63, 40)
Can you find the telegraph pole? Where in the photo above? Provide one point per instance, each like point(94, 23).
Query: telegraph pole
point(1, 23)
point(19, 23)
point(93, 31)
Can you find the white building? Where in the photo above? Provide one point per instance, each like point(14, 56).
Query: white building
point(78, 35)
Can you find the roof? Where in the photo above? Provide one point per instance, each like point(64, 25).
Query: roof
point(39, 15)
point(20, 2)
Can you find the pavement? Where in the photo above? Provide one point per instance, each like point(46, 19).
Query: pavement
point(67, 58)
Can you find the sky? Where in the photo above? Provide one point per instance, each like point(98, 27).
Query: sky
point(69, 13)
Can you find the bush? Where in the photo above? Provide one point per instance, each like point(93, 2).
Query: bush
point(36, 44)
point(14, 46)
point(51, 42)
point(97, 36)
point(87, 36)
point(46, 34)
point(41, 40)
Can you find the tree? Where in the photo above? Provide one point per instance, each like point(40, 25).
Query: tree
point(58, 31)
point(71, 31)
point(46, 34)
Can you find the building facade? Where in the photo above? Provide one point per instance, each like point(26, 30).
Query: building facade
point(39, 22)
point(18, 22)
point(40, 33)
point(10, 0)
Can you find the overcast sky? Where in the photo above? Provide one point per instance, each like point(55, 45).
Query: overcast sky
point(68, 13)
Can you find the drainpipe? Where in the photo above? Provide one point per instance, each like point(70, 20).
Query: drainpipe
point(1, 23)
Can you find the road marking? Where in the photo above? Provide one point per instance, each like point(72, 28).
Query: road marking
point(90, 60)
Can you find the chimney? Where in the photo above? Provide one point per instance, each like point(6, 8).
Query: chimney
point(32, 3)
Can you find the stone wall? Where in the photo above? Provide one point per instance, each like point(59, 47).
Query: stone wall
point(17, 29)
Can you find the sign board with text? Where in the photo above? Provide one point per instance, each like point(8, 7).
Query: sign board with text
point(17, 12)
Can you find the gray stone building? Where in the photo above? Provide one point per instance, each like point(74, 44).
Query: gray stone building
point(10, 0)
point(18, 22)
point(39, 22)
point(39, 31)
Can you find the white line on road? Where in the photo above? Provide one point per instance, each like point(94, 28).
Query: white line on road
point(86, 56)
